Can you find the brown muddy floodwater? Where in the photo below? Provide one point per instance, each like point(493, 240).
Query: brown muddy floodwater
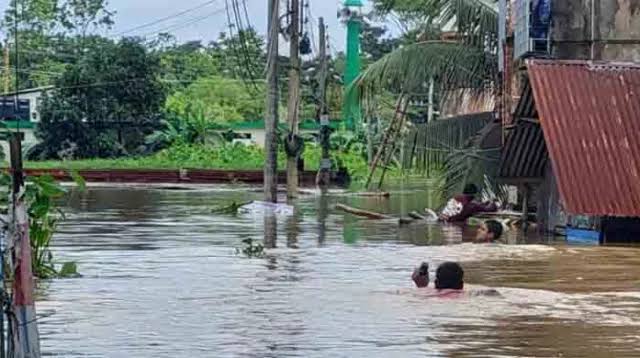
point(161, 278)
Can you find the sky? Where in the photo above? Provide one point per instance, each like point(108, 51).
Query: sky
point(207, 22)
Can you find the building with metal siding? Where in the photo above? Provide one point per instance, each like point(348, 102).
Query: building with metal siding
point(580, 30)
point(576, 137)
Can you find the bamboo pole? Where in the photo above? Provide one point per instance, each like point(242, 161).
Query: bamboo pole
point(400, 105)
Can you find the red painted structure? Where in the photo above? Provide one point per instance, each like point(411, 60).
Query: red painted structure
point(590, 117)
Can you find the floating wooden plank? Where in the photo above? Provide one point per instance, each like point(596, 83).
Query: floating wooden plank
point(362, 213)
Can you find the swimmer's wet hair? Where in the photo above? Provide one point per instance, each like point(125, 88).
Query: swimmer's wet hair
point(449, 275)
point(494, 227)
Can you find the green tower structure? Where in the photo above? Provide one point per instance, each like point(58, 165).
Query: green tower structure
point(351, 15)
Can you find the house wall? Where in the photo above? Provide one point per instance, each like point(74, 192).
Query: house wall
point(615, 33)
point(29, 140)
point(258, 136)
point(29, 134)
point(34, 104)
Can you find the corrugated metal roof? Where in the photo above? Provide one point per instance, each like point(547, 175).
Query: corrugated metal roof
point(526, 107)
point(590, 116)
point(524, 157)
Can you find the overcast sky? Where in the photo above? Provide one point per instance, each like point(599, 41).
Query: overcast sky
point(132, 13)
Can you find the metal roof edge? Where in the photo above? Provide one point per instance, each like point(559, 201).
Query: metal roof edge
point(583, 63)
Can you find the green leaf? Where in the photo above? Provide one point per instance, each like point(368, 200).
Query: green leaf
point(78, 179)
point(47, 186)
point(69, 270)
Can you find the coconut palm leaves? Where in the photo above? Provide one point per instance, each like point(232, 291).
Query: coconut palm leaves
point(476, 20)
point(409, 69)
point(471, 17)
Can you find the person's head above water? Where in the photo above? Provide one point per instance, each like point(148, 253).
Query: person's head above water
point(471, 190)
point(489, 231)
point(450, 275)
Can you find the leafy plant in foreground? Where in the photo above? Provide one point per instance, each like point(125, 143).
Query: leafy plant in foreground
point(40, 195)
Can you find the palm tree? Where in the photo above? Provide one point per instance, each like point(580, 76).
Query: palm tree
point(469, 61)
point(465, 63)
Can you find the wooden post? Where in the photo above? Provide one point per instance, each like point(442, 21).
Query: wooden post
point(15, 147)
point(271, 112)
point(294, 100)
point(525, 208)
point(324, 174)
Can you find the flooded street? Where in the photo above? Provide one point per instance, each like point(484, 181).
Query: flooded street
point(161, 278)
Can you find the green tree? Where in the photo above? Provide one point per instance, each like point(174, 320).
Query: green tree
point(51, 33)
point(183, 64)
point(374, 40)
point(241, 56)
point(221, 100)
point(80, 16)
point(104, 105)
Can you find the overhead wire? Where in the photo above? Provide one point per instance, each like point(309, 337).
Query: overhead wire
point(242, 32)
point(182, 25)
point(242, 55)
point(166, 18)
point(151, 35)
point(313, 27)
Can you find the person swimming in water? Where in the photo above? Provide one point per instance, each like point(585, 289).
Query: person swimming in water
point(489, 231)
point(449, 281)
point(449, 276)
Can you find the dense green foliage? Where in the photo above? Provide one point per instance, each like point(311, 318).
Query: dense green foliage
point(221, 100)
point(152, 102)
point(103, 106)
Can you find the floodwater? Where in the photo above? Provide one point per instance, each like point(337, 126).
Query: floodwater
point(161, 278)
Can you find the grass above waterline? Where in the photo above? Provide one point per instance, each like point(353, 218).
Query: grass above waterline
point(236, 157)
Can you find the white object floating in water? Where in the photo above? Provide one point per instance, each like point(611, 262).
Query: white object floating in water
point(261, 207)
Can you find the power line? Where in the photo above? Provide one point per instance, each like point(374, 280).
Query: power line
point(312, 30)
point(182, 25)
point(169, 17)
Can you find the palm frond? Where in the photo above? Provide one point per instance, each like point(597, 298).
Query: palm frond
point(409, 69)
point(476, 20)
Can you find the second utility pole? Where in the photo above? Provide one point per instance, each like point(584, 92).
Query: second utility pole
point(323, 178)
point(294, 142)
point(271, 112)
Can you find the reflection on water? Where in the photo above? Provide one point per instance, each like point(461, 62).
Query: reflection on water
point(162, 279)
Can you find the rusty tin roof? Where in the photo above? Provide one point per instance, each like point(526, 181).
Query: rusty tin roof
point(590, 116)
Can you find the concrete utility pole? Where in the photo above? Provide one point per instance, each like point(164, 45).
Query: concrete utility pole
point(271, 112)
point(24, 338)
point(294, 141)
point(351, 15)
point(324, 175)
point(7, 70)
